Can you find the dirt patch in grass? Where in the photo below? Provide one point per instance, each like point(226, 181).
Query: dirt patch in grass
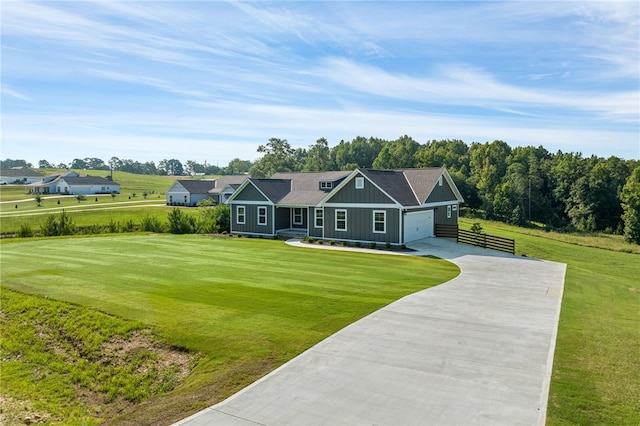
point(62, 363)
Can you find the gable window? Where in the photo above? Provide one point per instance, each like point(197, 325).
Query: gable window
point(326, 185)
point(359, 183)
point(379, 221)
point(341, 220)
point(297, 216)
point(319, 218)
point(448, 212)
point(440, 181)
point(262, 215)
point(240, 215)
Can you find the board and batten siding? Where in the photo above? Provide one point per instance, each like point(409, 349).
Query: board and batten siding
point(250, 225)
point(249, 193)
point(440, 216)
point(360, 225)
point(370, 194)
point(441, 193)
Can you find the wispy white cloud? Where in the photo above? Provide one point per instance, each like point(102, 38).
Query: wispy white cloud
point(13, 93)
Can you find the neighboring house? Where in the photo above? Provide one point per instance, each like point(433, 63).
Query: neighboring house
point(72, 183)
point(19, 175)
point(394, 206)
point(189, 192)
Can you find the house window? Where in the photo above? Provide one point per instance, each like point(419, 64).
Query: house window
point(240, 215)
point(341, 220)
point(455, 207)
point(297, 216)
point(440, 181)
point(319, 218)
point(185, 199)
point(262, 215)
point(326, 185)
point(379, 221)
point(359, 183)
point(448, 212)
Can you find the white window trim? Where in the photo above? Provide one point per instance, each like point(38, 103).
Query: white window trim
point(315, 218)
point(293, 212)
point(455, 207)
point(440, 181)
point(326, 185)
point(359, 182)
point(345, 220)
point(384, 222)
point(262, 215)
point(449, 212)
point(243, 214)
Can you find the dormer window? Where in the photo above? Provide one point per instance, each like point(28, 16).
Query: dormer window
point(324, 184)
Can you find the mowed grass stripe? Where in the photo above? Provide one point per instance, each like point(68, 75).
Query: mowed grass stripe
point(247, 305)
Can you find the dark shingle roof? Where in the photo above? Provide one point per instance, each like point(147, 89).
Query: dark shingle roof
point(19, 172)
point(409, 187)
point(89, 180)
point(197, 186)
point(394, 183)
point(222, 182)
point(274, 189)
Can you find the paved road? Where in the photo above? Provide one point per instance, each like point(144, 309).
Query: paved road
point(476, 350)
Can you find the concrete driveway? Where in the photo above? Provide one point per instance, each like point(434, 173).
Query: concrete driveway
point(477, 350)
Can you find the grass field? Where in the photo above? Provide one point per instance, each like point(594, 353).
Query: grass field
point(246, 305)
point(596, 379)
point(18, 209)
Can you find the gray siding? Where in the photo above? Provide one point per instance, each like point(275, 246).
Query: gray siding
point(368, 195)
point(440, 215)
point(441, 193)
point(250, 193)
point(251, 220)
point(360, 225)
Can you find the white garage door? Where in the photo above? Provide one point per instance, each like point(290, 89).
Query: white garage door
point(418, 225)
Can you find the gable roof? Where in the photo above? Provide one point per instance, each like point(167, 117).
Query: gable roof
point(201, 186)
point(229, 180)
point(88, 180)
point(394, 183)
point(273, 189)
point(19, 172)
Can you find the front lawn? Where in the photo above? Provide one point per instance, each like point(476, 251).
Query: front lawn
point(246, 305)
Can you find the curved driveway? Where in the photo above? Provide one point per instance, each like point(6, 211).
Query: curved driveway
point(477, 350)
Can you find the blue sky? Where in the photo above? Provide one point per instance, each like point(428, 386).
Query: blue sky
point(210, 81)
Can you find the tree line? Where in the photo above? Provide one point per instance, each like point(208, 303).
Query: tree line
point(166, 167)
point(562, 191)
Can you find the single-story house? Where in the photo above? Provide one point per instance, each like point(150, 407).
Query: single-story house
point(188, 192)
point(367, 205)
point(19, 175)
point(72, 183)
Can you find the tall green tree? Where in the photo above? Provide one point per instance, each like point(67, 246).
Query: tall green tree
point(319, 157)
point(630, 197)
point(450, 153)
point(488, 163)
point(278, 156)
point(398, 154)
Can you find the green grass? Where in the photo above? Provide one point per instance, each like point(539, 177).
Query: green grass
point(247, 305)
point(596, 379)
point(70, 362)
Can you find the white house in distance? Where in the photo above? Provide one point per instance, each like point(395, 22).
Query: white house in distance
point(19, 175)
point(71, 183)
point(186, 192)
